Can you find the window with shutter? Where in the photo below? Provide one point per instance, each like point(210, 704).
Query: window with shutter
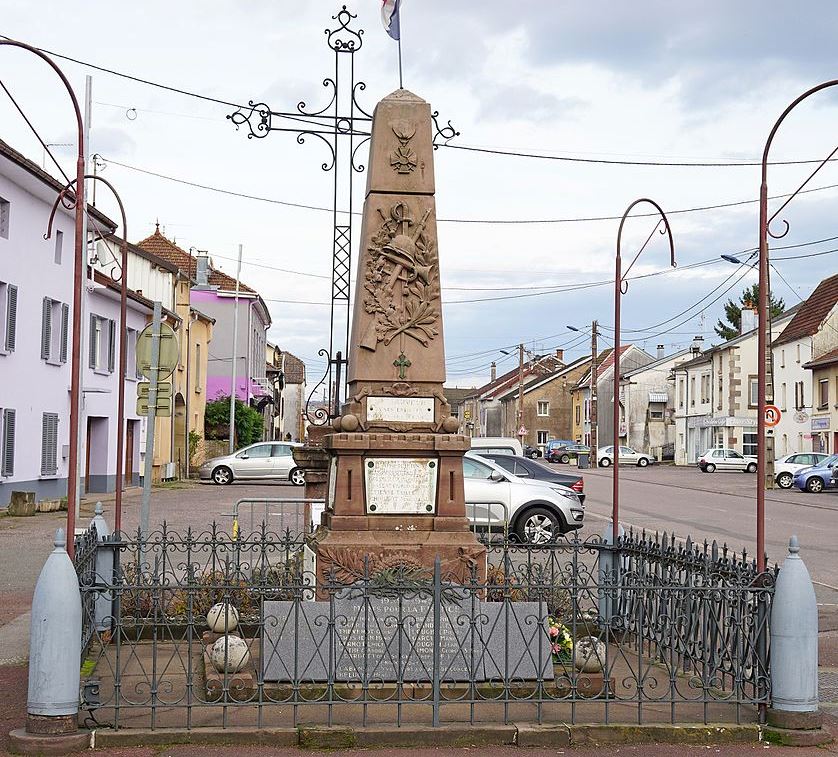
point(49, 444)
point(65, 325)
point(111, 345)
point(7, 444)
point(46, 328)
point(11, 317)
point(93, 339)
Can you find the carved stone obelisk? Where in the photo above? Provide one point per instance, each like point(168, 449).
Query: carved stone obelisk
point(395, 495)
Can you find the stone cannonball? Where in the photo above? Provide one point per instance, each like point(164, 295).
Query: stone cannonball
point(451, 425)
point(229, 654)
point(222, 618)
point(336, 423)
point(349, 422)
point(588, 654)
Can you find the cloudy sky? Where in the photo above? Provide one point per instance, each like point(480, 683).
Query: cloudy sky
point(639, 82)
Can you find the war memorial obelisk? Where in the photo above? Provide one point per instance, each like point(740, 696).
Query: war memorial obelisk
point(395, 491)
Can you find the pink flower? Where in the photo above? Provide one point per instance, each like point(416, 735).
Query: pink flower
point(556, 648)
point(554, 632)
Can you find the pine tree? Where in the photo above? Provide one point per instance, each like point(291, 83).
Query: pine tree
point(733, 311)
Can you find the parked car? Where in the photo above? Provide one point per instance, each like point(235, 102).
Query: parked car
point(263, 460)
point(531, 452)
point(818, 477)
point(534, 511)
point(524, 468)
point(506, 445)
point(786, 467)
point(563, 454)
point(605, 457)
point(726, 459)
point(556, 443)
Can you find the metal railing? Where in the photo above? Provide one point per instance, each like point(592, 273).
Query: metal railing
point(573, 631)
point(279, 514)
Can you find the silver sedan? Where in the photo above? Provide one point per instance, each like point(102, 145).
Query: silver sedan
point(265, 460)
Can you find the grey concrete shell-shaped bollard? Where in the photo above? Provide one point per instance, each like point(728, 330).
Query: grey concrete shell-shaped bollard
point(794, 718)
point(103, 607)
point(55, 646)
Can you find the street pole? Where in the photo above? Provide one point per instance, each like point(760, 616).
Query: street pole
point(593, 456)
point(233, 360)
point(520, 393)
point(145, 505)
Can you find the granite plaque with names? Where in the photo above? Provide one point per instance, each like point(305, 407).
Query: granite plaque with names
point(400, 485)
point(401, 409)
point(378, 638)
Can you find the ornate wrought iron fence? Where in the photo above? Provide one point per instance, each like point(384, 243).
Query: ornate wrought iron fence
point(575, 631)
point(84, 559)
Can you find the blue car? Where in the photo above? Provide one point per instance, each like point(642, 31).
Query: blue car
point(816, 478)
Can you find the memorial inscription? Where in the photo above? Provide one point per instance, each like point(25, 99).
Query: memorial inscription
point(401, 409)
point(400, 485)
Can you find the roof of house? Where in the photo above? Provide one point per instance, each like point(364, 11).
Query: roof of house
point(828, 358)
point(656, 363)
point(295, 369)
point(455, 395)
point(538, 381)
point(159, 245)
point(35, 170)
point(145, 254)
point(812, 313)
point(540, 366)
point(102, 278)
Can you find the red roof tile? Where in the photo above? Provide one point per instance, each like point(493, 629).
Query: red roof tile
point(828, 358)
point(158, 245)
point(812, 313)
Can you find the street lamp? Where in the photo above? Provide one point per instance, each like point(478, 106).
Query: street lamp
point(78, 281)
point(620, 288)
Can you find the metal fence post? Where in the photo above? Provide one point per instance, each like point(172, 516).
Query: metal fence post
point(608, 569)
point(437, 621)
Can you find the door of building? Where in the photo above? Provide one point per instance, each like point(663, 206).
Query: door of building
point(129, 453)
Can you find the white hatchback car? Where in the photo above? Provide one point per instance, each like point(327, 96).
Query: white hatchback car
point(605, 457)
point(786, 467)
point(726, 459)
point(535, 511)
point(260, 460)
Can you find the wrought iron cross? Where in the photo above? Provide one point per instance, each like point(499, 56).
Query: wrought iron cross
point(402, 363)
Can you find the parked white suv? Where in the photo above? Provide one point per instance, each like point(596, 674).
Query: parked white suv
point(726, 459)
point(535, 511)
point(786, 467)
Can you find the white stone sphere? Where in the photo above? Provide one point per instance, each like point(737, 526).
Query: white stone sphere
point(588, 654)
point(223, 618)
point(229, 654)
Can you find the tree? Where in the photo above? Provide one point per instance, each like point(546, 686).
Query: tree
point(733, 311)
point(248, 421)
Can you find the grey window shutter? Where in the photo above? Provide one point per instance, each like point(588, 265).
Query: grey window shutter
point(46, 328)
point(7, 464)
point(91, 340)
point(138, 369)
point(49, 444)
point(111, 345)
point(65, 325)
point(11, 318)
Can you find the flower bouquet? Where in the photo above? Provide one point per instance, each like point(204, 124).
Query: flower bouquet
point(561, 642)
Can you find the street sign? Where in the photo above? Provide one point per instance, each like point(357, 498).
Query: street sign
point(168, 359)
point(467, 415)
point(164, 398)
point(772, 415)
point(522, 431)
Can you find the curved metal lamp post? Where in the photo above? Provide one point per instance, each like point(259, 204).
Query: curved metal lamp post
point(78, 277)
point(620, 288)
point(762, 307)
point(123, 332)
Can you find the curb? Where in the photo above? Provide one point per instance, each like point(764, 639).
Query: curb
point(456, 735)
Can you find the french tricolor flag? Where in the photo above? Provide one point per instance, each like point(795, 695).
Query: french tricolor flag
point(390, 17)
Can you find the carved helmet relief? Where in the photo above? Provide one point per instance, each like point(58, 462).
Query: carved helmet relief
point(401, 280)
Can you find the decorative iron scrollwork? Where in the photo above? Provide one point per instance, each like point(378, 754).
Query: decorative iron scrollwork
point(343, 39)
point(442, 134)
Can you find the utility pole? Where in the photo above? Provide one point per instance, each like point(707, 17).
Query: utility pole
point(520, 393)
point(233, 359)
point(593, 456)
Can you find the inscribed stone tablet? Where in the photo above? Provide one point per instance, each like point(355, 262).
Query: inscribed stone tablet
point(401, 409)
point(400, 485)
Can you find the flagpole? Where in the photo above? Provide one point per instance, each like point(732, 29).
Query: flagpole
point(401, 83)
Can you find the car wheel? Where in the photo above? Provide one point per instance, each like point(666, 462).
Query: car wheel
point(605, 462)
point(538, 526)
point(752, 468)
point(709, 468)
point(785, 480)
point(564, 459)
point(642, 462)
point(814, 485)
point(297, 477)
point(222, 475)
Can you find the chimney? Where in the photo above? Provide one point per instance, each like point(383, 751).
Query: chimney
point(560, 355)
point(749, 319)
point(493, 372)
point(202, 270)
point(695, 347)
point(660, 351)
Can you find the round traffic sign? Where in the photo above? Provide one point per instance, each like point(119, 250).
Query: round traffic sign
point(772, 415)
point(169, 351)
